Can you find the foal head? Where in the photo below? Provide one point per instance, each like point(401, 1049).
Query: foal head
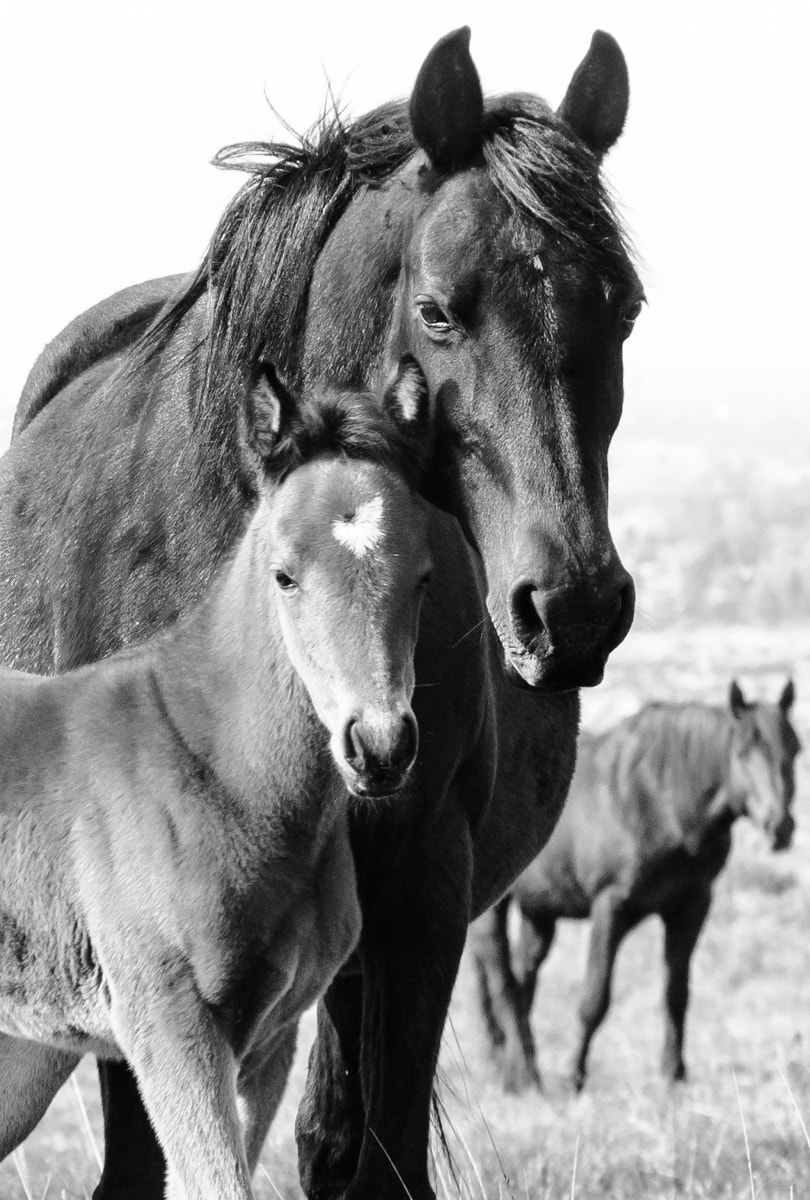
point(763, 750)
point(346, 548)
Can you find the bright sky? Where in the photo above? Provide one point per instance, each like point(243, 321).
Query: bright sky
point(112, 111)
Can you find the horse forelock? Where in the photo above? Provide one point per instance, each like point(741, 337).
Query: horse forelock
point(341, 424)
point(260, 262)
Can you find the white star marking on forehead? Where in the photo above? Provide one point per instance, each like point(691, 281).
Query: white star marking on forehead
point(362, 531)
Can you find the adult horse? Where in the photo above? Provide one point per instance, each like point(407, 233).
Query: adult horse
point(646, 830)
point(479, 237)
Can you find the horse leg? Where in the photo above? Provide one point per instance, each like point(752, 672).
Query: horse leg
point(609, 923)
point(134, 1166)
point(499, 995)
point(411, 946)
point(534, 940)
point(186, 1073)
point(30, 1076)
point(259, 1088)
point(682, 928)
point(331, 1117)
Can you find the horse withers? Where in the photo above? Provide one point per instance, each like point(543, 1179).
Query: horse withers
point(646, 829)
point(176, 879)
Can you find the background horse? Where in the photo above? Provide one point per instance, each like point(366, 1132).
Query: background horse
point(479, 237)
point(646, 829)
point(176, 879)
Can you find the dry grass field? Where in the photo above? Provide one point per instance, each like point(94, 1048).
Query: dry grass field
point(735, 1130)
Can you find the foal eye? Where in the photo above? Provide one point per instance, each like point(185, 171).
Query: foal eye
point(285, 581)
point(433, 318)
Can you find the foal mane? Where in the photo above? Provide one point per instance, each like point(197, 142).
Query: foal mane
point(341, 424)
point(261, 258)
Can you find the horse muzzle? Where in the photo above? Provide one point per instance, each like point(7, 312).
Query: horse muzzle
point(376, 754)
point(560, 639)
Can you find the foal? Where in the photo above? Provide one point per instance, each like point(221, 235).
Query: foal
point(646, 829)
point(176, 880)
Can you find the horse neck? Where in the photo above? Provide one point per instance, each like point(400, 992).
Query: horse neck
point(233, 696)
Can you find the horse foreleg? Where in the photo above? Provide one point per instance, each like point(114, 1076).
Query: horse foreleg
point(30, 1076)
point(499, 997)
point(682, 928)
point(609, 923)
point(331, 1117)
point(186, 1073)
point(411, 946)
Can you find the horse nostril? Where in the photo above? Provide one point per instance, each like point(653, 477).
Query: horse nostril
point(624, 619)
point(525, 607)
point(352, 744)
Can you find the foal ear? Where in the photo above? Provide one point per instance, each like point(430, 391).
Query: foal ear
point(788, 696)
point(268, 408)
point(736, 700)
point(595, 105)
point(406, 398)
point(447, 105)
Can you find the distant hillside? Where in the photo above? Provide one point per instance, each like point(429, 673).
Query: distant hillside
point(710, 501)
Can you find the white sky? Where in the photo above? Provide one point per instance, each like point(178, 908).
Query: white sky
point(111, 113)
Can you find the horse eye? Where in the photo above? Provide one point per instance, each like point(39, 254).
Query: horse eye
point(285, 581)
point(424, 582)
point(632, 314)
point(433, 317)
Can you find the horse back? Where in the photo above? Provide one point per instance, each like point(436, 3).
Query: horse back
point(98, 334)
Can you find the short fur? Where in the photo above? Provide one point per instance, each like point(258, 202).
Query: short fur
point(176, 878)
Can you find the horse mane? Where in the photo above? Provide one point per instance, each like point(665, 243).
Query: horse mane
point(668, 737)
point(341, 424)
point(262, 255)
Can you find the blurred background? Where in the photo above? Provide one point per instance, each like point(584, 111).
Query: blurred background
point(111, 114)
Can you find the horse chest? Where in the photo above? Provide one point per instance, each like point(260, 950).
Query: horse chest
point(306, 937)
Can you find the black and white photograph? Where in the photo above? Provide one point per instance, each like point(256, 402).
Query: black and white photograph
point(405, 601)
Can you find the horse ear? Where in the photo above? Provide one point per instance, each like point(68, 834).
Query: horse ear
point(788, 696)
point(406, 396)
point(736, 700)
point(595, 105)
point(447, 105)
point(268, 408)
point(406, 402)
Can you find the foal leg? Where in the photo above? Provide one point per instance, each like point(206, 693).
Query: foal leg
point(682, 928)
point(499, 996)
point(260, 1086)
point(30, 1076)
point(610, 922)
point(186, 1073)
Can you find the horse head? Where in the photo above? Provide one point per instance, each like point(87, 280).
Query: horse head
point(512, 284)
point(763, 753)
point(347, 552)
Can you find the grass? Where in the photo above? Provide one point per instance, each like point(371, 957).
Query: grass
point(737, 1129)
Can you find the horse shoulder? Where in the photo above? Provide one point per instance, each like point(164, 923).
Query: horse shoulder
point(96, 335)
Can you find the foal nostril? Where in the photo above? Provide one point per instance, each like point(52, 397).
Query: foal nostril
point(404, 749)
